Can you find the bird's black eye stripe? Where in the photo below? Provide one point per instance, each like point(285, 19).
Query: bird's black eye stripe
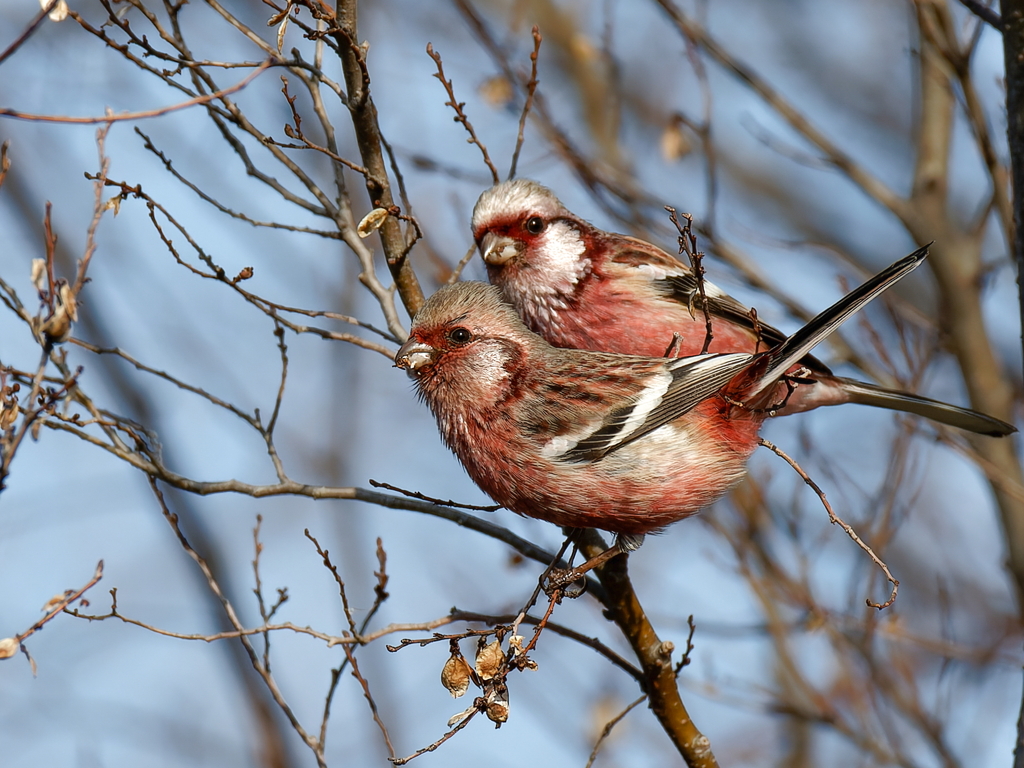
point(535, 225)
point(460, 335)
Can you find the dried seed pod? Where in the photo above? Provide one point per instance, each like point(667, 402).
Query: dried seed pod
point(371, 222)
point(8, 413)
point(456, 674)
point(489, 660)
point(8, 647)
point(517, 658)
point(59, 12)
point(57, 327)
point(113, 204)
point(497, 705)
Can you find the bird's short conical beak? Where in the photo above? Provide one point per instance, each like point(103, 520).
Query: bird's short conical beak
point(498, 249)
point(414, 355)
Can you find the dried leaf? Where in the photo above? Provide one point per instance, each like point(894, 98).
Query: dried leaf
point(8, 413)
point(57, 327)
point(456, 719)
point(517, 658)
point(69, 300)
point(276, 19)
point(280, 32)
point(53, 602)
point(113, 204)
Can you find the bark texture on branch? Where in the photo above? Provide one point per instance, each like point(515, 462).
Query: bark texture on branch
point(655, 656)
point(368, 138)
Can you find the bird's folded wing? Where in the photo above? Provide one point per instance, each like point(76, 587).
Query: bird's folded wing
point(666, 396)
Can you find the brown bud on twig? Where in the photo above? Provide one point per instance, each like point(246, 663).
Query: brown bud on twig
point(245, 274)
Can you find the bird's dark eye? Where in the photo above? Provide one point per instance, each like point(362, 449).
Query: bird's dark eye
point(535, 225)
point(460, 336)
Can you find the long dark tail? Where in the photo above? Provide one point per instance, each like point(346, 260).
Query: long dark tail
point(782, 358)
point(944, 413)
point(789, 352)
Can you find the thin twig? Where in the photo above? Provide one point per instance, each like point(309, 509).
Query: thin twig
point(120, 117)
point(325, 556)
point(424, 497)
point(460, 116)
point(540, 585)
point(606, 731)
point(436, 744)
point(457, 272)
point(233, 619)
point(531, 88)
point(33, 25)
point(836, 520)
point(350, 655)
